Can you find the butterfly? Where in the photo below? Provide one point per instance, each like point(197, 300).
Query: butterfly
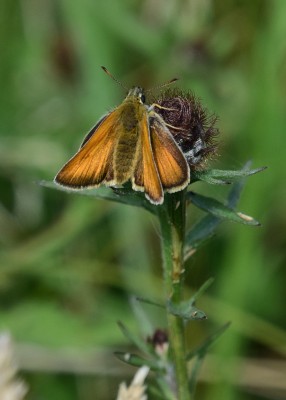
point(130, 143)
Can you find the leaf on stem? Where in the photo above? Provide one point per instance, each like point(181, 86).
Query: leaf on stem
point(202, 290)
point(201, 232)
point(137, 361)
point(163, 391)
point(186, 309)
point(206, 227)
point(135, 340)
point(205, 346)
point(151, 302)
point(224, 177)
point(200, 353)
point(143, 320)
point(217, 209)
point(122, 195)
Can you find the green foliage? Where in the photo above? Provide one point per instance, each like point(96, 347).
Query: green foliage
point(122, 195)
point(221, 177)
point(219, 210)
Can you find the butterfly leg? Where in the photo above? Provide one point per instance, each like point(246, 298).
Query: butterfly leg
point(161, 107)
point(152, 112)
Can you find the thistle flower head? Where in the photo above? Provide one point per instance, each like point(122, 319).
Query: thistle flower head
point(191, 125)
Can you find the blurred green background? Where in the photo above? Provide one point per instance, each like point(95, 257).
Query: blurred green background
point(68, 264)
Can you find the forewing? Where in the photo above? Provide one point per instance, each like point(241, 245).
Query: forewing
point(172, 166)
point(146, 175)
point(92, 164)
point(93, 130)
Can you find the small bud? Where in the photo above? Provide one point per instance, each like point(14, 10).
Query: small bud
point(160, 342)
point(247, 218)
point(191, 126)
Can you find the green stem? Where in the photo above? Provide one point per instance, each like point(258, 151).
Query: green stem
point(172, 216)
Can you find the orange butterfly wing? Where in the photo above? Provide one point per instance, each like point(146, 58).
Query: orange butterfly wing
point(146, 176)
point(92, 164)
point(172, 166)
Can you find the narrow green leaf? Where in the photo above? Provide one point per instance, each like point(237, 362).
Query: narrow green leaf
point(199, 176)
point(155, 392)
point(202, 289)
point(201, 231)
point(185, 310)
point(137, 361)
point(235, 193)
point(144, 322)
point(151, 302)
point(204, 347)
point(200, 354)
point(223, 177)
point(219, 210)
point(206, 227)
point(194, 375)
point(135, 340)
point(122, 195)
point(164, 388)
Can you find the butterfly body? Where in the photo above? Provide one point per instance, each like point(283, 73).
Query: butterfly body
point(127, 149)
point(132, 142)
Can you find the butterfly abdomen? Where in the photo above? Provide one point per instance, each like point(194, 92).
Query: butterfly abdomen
point(126, 150)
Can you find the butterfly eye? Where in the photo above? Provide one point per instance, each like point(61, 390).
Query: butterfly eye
point(143, 98)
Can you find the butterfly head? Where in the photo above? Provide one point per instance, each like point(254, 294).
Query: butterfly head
point(137, 93)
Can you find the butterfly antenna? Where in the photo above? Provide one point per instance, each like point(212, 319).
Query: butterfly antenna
point(112, 77)
point(163, 85)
